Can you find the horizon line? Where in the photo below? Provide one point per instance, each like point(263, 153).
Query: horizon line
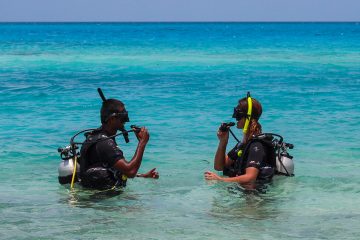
point(134, 22)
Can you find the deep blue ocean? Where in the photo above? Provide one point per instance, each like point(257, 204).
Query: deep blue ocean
point(181, 80)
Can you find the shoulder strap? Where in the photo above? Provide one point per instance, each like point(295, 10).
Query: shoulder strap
point(241, 160)
point(90, 141)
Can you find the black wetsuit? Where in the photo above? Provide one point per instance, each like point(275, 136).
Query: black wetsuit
point(97, 161)
point(256, 154)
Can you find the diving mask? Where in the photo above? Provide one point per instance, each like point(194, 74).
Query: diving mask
point(238, 114)
point(122, 116)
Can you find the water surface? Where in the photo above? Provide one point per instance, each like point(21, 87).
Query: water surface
point(181, 81)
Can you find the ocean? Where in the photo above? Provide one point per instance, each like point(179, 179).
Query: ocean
point(180, 80)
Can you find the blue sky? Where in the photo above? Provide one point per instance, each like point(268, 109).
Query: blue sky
point(179, 10)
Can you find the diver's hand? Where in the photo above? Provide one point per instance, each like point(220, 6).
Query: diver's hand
point(150, 174)
point(211, 176)
point(143, 136)
point(223, 136)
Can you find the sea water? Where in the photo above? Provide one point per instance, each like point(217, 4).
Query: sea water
point(181, 80)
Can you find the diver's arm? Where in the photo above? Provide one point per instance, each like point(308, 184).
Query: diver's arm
point(220, 157)
point(150, 174)
point(249, 176)
point(131, 168)
point(221, 160)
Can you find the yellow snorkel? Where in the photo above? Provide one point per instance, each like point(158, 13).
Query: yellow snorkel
point(249, 112)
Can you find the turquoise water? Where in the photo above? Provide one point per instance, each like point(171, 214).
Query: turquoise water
point(181, 81)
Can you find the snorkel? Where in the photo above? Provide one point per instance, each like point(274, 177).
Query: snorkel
point(123, 132)
point(239, 113)
point(248, 116)
point(250, 109)
point(70, 155)
point(101, 94)
point(123, 115)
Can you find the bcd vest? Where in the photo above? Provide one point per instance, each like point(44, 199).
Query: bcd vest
point(99, 170)
point(239, 165)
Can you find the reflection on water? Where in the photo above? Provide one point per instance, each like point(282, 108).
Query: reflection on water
point(237, 202)
point(98, 199)
point(77, 197)
point(265, 201)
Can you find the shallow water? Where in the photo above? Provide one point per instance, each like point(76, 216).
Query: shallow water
point(181, 81)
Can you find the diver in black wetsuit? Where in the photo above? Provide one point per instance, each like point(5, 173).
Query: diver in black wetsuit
point(102, 164)
point(251, 160)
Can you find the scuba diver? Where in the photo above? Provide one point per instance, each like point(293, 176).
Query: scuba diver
point(258, 157)
point(102, 163)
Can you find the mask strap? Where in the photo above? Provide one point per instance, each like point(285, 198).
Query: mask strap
point(249, 112)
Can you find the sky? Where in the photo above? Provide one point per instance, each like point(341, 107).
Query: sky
point(178, 10)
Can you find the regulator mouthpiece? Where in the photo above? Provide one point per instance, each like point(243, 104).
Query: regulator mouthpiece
point(136, 128)
point(125, 134)
point(224, 127)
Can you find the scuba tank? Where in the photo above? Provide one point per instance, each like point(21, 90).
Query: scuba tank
point(66, 166)
point(284, 161)
point(281, 160)
point(69, 169)
point(285, 164)
point(70, 154)
point(65, 169)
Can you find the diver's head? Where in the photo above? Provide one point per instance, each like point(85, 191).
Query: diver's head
point(114, 114)
point(247, 114)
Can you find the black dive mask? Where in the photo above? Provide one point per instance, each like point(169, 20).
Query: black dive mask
point(122, 116)
point(238, 114)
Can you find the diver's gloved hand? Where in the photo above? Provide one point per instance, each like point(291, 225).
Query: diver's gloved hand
point(223, 136)
point(150, 174)
point(143, 136)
